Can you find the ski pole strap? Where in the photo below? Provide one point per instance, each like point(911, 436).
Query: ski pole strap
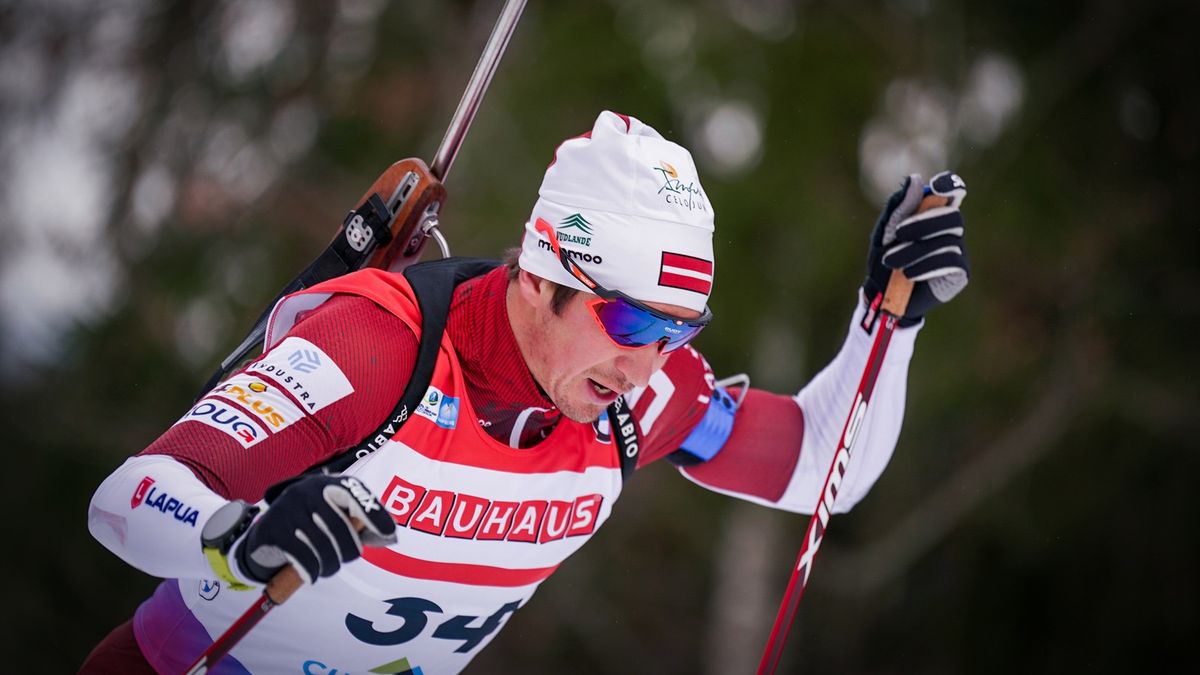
point(433, 283)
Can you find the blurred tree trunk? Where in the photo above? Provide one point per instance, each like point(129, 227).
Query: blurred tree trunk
point(746, 587)
point(743, 599)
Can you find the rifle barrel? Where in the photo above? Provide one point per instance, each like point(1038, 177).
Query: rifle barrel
point(480, 79)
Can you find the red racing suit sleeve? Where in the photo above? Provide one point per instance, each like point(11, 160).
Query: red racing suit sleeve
point(779, 450)
point(760, 455)
point(322, 388)
point(672, 403)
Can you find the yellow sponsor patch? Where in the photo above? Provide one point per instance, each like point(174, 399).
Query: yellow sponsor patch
point(265, 402)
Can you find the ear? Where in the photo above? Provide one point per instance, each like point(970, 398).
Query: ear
point(535, 290)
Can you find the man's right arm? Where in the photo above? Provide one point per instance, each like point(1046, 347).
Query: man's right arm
point(324, 387)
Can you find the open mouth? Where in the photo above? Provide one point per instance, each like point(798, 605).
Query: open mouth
point(601, 390)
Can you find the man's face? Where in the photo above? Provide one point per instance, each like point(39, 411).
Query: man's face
point(578, 366)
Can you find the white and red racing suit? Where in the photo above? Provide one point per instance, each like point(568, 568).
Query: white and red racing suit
point(491, 488)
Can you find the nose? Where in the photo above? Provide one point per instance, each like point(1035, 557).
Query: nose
point(637, 365)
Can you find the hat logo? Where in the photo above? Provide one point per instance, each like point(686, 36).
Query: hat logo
point(688, 195)
point(577, 222)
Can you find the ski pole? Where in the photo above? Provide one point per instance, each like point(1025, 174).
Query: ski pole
point(895, 302)
point(281, 587)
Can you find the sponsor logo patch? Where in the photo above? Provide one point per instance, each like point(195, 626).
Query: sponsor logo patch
point(146, 493)
point(581, 230)
point(438, 408)
point(447, 513)
point(227, 418)
point(397, 667)
point(572, 253)
point(209, 588)
point(675, 191)
point(304, 360)
point(267, 403)
point(139, 493)
point(301, 369)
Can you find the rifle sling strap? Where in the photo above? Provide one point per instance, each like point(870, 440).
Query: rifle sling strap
point(434, 284)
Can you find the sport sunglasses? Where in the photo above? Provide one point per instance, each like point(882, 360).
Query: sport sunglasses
point(627, 322)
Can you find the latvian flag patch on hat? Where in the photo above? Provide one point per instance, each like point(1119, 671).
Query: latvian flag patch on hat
point(686, 272)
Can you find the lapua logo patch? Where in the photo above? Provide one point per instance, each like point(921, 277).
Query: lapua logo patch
point(146, 493)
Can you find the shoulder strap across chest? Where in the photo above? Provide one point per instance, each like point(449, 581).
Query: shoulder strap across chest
point(625, 435)
point(434, 283)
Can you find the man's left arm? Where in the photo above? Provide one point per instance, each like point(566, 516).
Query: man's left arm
point(776, 450)
point(779, 448)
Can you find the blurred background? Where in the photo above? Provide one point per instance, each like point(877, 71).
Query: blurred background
point(167, 166)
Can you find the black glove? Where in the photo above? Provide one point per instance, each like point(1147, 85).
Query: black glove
point(928, 246)
point(308, 525)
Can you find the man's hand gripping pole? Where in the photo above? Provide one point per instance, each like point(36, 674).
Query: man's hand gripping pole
point(281, 587)
point(895, 302)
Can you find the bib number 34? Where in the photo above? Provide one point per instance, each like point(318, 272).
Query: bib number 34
point(414, 615)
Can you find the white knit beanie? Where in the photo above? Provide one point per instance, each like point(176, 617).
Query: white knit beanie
point(627, 206)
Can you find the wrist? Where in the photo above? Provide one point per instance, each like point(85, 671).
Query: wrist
point(219, 540)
